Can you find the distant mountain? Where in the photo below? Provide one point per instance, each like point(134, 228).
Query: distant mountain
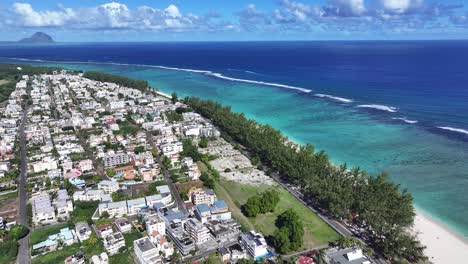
point(38, 37)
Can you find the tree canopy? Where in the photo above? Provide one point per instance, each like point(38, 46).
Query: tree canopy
point(373, 202)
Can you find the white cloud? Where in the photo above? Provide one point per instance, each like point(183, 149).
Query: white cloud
point(112, 15)
point(400, 6)
point(31, 18)
point(173, 11)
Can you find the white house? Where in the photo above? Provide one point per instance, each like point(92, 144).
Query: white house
point(145, 251)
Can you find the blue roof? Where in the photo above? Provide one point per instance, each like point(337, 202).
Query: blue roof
point(220, 204)
point(203, 208)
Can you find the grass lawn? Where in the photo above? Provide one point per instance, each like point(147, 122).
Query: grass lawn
point(130, 237)
point(8, 196)
point(316, 231)
point(83, 211)
point(42, 234)
point(60, 255)
point(121, 258)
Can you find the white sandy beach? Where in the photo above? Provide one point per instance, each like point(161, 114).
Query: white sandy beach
point(442, 245)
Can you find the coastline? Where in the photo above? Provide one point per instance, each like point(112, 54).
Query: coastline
point(442, 244)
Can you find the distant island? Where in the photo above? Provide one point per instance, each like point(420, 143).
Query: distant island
point(38, 37)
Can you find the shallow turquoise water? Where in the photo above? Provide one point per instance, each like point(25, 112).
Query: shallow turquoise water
point(433, 167)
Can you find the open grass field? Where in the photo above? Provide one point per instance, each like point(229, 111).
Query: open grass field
point(42, 234)
point(316, 231)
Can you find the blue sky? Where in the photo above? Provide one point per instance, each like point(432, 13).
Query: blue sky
point(199, 20)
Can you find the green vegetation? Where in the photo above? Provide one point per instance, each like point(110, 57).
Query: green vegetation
point(173, 116)
point(208, 182)
point(290, 233)
point(130, 237)
point(126, 128)
point(57, 257)
point(316, 232)
point(8, 251)
point(174, 98)
point(42, 234)
point(17, 232)
point(139, 149)
point(124, 81)
point(190, 150)
point(9, 244)
point(119, 196)
point(203, 143)
point(261, 203)
point(121, 258)
point(83, 211)
point(384, 211)
point(8, 196)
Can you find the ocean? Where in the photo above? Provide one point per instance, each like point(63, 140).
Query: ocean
point(398, 107)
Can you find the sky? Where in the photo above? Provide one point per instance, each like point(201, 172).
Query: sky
point(234, 20)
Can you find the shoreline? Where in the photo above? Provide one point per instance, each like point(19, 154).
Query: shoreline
point(442, 244)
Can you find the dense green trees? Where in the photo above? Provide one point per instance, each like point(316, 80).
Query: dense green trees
point(208, 182)
point(377, 205)
point(124, 81)
point(290, 233)
point(190, 150)
point(261, 203)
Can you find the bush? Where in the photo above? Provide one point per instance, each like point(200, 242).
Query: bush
point(17, 232)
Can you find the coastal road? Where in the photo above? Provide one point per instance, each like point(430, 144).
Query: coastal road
point(23, 251)
point(336, 225)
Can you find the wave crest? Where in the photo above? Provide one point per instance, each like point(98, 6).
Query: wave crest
point(454, 129)
point(379, 107)
point(206, 72)
point(404, 119)
point(336, 98)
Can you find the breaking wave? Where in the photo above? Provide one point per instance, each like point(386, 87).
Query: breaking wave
point(379, 107)
point(336, 98)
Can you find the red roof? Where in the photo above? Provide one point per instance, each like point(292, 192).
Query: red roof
point(305, 260)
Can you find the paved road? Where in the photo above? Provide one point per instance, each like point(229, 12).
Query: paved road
point(337, 226)
point(23, 251)
point(167, 176)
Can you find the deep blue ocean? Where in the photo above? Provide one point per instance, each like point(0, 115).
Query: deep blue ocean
point(400, 107)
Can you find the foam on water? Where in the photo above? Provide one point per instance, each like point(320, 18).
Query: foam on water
point(336, 98)
point(404, 119)
point(379, 107)
point(206, 72)
point(454, 129)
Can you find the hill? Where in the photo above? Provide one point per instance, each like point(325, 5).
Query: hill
point(38, 37)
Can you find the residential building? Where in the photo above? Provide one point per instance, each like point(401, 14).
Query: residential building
point(115, 159)
point(113, 242)
point(123, 225)
point(43, 212)
point(134, 206)
point(155, 223)
point(83, 231)
point(146, 252)
point(66, 236)
point(255, 244)
point(345, 256)
point(114, 209)
point(108, 186)
point(203, 197)
point(197, 231)
point(102, 258)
